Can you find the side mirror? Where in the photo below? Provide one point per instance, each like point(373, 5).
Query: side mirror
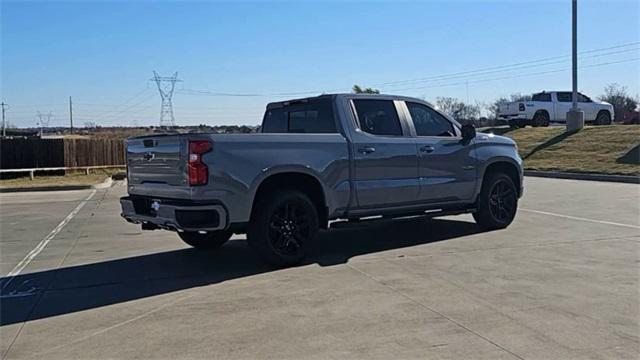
point(468, 133)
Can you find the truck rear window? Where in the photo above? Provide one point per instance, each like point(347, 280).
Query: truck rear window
point(313, 117)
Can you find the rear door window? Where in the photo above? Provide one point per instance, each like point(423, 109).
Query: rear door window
point(378, 117)
point(541, 97)
point(275, 121)
point(312, 117)
point(564, 96)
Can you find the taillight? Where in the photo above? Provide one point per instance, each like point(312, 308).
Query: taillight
point(521, 107)
point(198, 170)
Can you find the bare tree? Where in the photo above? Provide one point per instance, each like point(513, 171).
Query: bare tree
point(617, 96)
point(493, 107)
point(520, 97)
point(458, 109)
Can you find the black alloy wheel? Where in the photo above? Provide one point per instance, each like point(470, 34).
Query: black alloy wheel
point(502, 201)
point(289, 228)
point(497, 202)
point(283, 227)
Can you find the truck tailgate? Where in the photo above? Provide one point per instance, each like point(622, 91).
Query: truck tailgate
point(157, 160)
point(511, 108)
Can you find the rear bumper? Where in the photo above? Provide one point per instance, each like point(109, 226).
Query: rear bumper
point(173, 215)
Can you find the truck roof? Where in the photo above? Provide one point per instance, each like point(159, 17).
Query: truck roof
point(277, 104)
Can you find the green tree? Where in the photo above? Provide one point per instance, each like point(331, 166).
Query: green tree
point(359, 90)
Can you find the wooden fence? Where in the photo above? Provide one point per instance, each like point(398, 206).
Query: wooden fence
point(37, 153)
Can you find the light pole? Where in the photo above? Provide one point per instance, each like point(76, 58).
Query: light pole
point(575, 116)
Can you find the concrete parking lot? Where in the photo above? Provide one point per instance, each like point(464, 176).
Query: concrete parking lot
point(562, 282)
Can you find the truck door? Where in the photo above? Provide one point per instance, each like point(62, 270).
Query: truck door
point(386, 162)
point(586, 105)
point(447, 167)
point(563, 104)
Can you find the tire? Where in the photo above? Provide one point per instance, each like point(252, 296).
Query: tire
point(603, 118)
point(540, 119)
point(208, 241)
point(283, 226)
point(497, 202)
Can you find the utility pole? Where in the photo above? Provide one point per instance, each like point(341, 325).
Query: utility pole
point(4, 123)
point(166, 84)
point(70, 116)
point(575, 116)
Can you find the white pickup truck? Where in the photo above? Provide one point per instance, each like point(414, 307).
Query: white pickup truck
point(546, 107)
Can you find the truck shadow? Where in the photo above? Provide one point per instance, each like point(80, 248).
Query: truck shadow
point(71, 289)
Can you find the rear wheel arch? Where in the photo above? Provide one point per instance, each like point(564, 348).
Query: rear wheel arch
point(291, 180)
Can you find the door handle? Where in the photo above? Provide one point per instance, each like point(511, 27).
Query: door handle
point(427, 149)
point(367, 149)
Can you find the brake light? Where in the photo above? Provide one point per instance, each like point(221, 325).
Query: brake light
point(521, 107)
point(198, 170)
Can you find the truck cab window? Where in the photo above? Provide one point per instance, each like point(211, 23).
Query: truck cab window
point(429, 122)
point(313, 117)
point(378, 117)
point(584, 99)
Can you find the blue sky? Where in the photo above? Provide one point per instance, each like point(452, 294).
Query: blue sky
point(103, 53)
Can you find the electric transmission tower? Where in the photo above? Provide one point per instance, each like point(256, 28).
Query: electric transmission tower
point(43, 121)
point(166, 84)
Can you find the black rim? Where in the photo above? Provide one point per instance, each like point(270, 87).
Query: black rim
point(502, 201)
point(602, 120)
point(289, 228)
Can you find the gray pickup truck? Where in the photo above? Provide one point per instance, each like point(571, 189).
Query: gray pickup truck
point(315, 161)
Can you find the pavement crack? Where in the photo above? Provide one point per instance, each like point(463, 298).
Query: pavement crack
point(417, 302)
point(548, 244)
point(40, 294)
point(115, 326)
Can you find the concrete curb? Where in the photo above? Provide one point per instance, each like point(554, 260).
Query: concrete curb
point(103, 185)
point(628, 179)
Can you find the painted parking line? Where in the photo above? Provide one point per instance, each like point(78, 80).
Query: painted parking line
point(580, 218)
point(43, 243)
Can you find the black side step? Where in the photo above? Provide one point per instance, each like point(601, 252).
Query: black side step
point(355, 222)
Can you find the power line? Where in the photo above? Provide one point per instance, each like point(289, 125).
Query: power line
point(462, 74)
point(517, 76)
point(135, 96)
point(511, 65)
point(467, 75)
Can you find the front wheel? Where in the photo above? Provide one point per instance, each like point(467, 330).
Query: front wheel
point(497, 202)
point(603, 118)
point(282, 227)
point(210, 240)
